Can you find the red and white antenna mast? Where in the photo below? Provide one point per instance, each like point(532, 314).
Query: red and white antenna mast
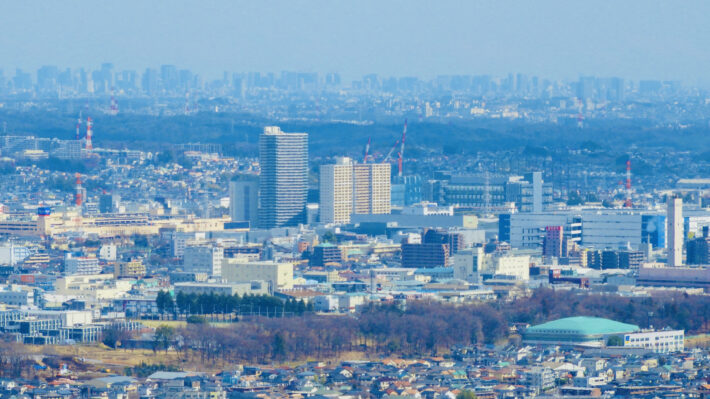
point(89, 133)
point(628, 203)
point(401, 150)
point(78, 196)
point(114, 104)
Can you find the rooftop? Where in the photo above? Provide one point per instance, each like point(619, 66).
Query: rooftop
point(583, 325)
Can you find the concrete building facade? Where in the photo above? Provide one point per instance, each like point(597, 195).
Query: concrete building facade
point(675, 231)
point(336, 191)
point(372, 189)
point(244, 199)
point(283, 183)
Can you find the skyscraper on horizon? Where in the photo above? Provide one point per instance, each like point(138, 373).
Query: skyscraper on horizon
point(675, 231)
point(336, 191)
point(347, 188)
point(283, 183)
point(372, 188)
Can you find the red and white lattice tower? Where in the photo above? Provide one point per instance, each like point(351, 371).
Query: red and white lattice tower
point(78, 197)
point(628, 203)
point(89, 133)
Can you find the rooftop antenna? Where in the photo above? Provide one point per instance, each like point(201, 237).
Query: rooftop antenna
point(401, 150)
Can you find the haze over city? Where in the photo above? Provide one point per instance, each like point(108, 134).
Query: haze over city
point(355, 200)
point(554, 39)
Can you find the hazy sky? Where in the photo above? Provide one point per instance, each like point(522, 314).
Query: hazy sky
point(558, 39)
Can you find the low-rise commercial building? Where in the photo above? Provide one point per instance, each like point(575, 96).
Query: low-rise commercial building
point(279, 274)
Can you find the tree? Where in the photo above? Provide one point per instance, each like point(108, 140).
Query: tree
point(164, 302)
point(329, 236)
point(615, 340)
point(466, 394)
point(113, 337)
point(163, 338)
point(279, 346)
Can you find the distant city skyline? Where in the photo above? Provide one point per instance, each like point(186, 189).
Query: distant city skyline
point(10, 71)
point(552, 39)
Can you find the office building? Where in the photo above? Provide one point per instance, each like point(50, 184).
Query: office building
point(600, 229)
point(203, 259)
point(132, 269)
point(538, 196)
point(108, 203)
point(664, 341)
point(527, 230)
point(244, 199)
point(675, 231)
point(510, 265)
point(468, 265)
point(326, 253)
point(528, 193)
point(11, 254)
point(81, 265)
point(241, 288)
point(336, 191)
point(347, 188)
point(698, 250)
point(552, 244)
point(278, 274)
point(614, 259)
point(540, 379)
point(425, 255)
point(406, 190)
point(372, 189)
point(283, 183)
point(454, 240)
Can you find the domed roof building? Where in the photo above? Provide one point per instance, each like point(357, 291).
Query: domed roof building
point(577, 331)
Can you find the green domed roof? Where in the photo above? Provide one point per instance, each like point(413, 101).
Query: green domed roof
point(583, 325)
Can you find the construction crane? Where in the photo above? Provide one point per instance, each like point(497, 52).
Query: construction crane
point(389, 154)
point(401, 151)
point(367, 150)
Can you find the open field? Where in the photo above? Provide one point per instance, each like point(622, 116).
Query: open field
point(697, 341)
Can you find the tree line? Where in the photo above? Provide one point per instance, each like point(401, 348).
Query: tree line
point(200, 304)
point(426, 327)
